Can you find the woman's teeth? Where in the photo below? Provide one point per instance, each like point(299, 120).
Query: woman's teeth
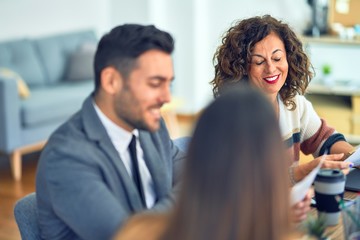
point(272, 78)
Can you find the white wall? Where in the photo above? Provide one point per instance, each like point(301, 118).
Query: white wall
point(31, 18)
point(195, 24)
point(342, 58)
point(133, 11)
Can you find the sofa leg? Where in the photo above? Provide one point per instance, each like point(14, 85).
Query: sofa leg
point(15, 163)
point(16, 157)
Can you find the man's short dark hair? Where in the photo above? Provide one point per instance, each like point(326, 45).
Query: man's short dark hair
point(125, 43)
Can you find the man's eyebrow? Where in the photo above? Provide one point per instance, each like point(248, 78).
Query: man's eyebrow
point(161, 78)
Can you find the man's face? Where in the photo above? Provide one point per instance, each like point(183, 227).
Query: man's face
point(138, 103)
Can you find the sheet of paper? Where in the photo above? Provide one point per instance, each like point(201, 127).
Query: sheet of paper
point(299, 190)
point(354, 158)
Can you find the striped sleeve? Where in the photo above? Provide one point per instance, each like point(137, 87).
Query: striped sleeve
point(314, 130)
point(317, 140)
point(336, 137)
point(303, 130)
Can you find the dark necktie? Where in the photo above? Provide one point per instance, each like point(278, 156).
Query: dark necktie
point(135, 169)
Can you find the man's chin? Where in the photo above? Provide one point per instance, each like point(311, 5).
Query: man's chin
point(154, 127)
point(151, 127)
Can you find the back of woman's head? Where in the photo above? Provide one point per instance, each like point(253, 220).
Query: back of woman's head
point(235, 182)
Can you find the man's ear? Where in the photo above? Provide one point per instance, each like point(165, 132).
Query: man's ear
point(111, 80)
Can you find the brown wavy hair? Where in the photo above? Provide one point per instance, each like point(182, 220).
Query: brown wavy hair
point(233, 57)
point(231, 188)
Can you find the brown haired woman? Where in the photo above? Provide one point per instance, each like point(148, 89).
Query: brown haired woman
point(266, 53)
point(235, 183)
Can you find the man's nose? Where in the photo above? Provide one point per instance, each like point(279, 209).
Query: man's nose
point(166, 96)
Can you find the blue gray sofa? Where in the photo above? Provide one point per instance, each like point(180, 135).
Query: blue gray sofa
point(58, 73)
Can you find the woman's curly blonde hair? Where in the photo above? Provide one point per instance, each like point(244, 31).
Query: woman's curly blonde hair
point(233, 56)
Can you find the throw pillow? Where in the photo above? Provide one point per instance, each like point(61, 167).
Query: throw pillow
point(23, 89)
point(80, 63)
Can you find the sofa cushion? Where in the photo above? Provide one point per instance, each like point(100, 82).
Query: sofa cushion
point(47, 104)
point(21, 57)
point(54, 52)
point(80, 63)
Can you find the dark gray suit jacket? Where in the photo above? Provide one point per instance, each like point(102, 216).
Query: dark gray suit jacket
point(83, 189)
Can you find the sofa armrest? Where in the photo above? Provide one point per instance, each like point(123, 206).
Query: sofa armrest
point(9, 115)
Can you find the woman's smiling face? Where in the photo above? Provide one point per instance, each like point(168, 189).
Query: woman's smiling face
point(268, 68)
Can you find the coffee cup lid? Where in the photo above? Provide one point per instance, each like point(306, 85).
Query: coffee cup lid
point(330, 175)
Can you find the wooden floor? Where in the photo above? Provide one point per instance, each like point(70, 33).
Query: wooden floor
point(11, 191)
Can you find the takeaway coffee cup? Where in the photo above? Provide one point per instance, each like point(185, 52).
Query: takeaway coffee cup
point(329, 189)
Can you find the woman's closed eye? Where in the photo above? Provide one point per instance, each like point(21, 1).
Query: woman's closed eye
point(259, 62)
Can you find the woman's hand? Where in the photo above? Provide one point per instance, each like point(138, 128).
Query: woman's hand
point(299, 210)
point(333, 161)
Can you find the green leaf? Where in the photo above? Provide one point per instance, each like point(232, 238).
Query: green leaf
point(326, 69)
point(315, 226)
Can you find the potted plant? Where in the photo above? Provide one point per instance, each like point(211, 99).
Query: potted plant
point(327, 74)
point(315, 227)
point(326, 69)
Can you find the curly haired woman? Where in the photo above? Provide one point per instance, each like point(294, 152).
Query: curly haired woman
point(266, 53)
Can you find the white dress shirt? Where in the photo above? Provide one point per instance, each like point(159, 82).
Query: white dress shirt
point(121, 140)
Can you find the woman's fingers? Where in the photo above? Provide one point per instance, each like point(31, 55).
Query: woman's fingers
point(334, 161)
point(300, 209)
point(333, 157)
point(336, 164)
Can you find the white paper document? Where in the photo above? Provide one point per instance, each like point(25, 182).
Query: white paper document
point(300, 189)
point(354, 158)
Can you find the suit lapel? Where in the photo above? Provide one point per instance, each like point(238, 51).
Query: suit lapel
point(129, 185)
point(154, 162)
point(96, 131)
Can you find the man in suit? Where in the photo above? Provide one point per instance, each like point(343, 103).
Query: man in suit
point(88, 180)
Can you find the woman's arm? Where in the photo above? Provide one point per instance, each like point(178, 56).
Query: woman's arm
point(342, 147)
